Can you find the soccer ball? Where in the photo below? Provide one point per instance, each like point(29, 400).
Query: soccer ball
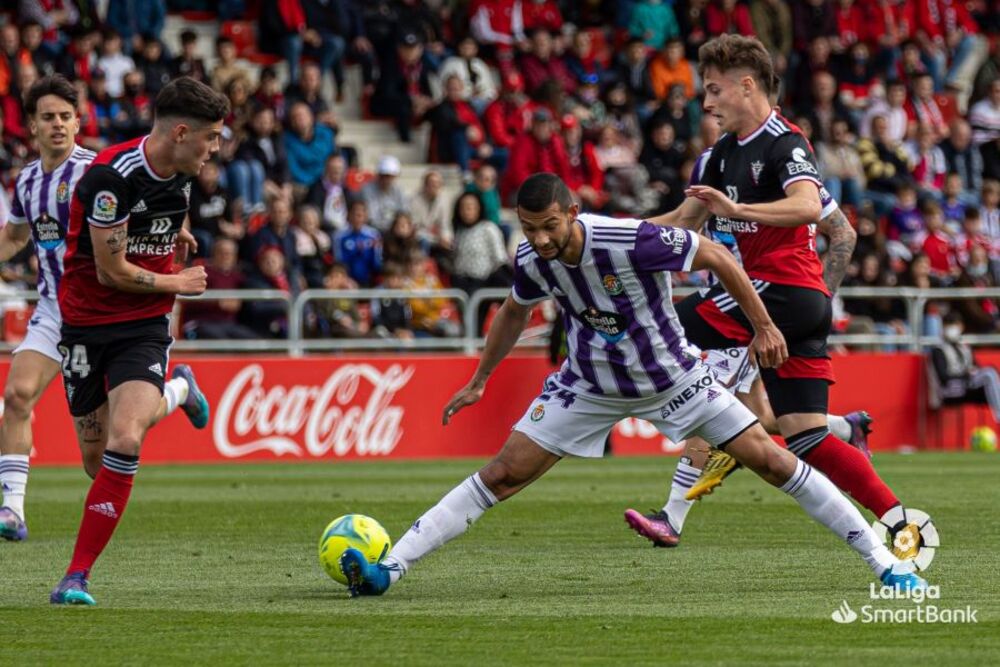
point(983, 439)
point(352, 530)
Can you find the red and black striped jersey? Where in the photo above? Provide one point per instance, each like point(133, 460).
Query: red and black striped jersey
point(121, 188)
point(757, 169)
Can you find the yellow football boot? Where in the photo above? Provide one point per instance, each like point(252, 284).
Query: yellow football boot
point(718, 466)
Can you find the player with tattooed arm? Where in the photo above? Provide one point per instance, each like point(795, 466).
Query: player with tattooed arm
point(126, 224)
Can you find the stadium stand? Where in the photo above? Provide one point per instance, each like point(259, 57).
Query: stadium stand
point(900, 99)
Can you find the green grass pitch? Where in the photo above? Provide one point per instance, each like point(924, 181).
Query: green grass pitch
point(217, 565)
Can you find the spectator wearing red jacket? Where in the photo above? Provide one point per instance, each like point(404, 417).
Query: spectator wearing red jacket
point(929, 164)
point(542, 63)
point(541, 149)
point(497, 25)
point(727, 17)
point(509, 115)
point(923, 108)
point(939, 246)
point(850, 17)
point(457, 131)
point(541, 14)
point(586, 176)
point(882, 32)
point(944, 27)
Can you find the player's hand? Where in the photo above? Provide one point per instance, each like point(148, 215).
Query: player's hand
point(716, 202)
point(187, 245)
point(768, 347)
point(193, 281)
point(467, 395)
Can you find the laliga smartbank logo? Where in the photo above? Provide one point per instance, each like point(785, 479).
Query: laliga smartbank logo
point(921, 610)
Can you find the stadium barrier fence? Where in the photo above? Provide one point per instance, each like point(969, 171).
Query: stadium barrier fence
point(298, 344)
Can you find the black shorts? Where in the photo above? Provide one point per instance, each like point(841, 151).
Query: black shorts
point(712, 321)
point(97, 359)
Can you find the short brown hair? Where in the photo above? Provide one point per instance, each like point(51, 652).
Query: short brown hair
point(186, 98)
point(57, 85)
point(729, 52)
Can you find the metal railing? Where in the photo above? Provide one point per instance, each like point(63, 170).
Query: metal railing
point(297, 343)
point(258, 345)
point(916, 301)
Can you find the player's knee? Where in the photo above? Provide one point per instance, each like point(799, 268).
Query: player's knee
point(779, 465)
point(127, 443)
point(19, 398)
point(500, 478)
point(766, 459)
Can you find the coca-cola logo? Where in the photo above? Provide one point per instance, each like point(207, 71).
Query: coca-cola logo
point(332, 418)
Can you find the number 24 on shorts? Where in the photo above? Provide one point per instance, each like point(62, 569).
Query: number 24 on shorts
point(75, 362)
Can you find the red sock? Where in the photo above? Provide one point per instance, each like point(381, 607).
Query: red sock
point(852, 472)
point(103, 509)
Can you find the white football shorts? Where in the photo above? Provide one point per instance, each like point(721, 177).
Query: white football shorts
point(569, 423)
point(43, 333)
point(732, 368)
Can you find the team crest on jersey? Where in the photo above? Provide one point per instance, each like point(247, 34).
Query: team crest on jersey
point(105, 206)
point(187, 191)
point(676, 238)
point(612, 285)
point(756, 168)
point(62, 193)
point(538, 413)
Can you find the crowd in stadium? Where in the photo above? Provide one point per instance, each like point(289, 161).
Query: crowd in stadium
point(901, 101)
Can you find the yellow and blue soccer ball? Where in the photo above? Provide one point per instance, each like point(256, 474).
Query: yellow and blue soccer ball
point(983, 439)
point(352, 530)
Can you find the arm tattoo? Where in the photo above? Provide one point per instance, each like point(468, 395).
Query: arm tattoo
point(145, 279)
point(118, 240)
point(838, 256)
point(104, 278)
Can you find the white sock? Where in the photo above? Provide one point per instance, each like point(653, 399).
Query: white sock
point(451, 517)
point(175, 392)
point(839, 426)
point(14, 481)
point(823, 502)
point(677, 507)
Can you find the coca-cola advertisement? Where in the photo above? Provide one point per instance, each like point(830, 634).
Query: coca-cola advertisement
point(322, 408)
point(329, 408)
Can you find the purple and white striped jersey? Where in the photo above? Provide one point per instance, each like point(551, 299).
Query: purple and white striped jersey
point(42, 200)
point(623, 335)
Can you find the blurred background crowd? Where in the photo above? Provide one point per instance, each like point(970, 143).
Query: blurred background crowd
point(901, 100)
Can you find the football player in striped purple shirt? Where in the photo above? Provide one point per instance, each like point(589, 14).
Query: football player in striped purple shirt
point(628, 357)
point(39, 213)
